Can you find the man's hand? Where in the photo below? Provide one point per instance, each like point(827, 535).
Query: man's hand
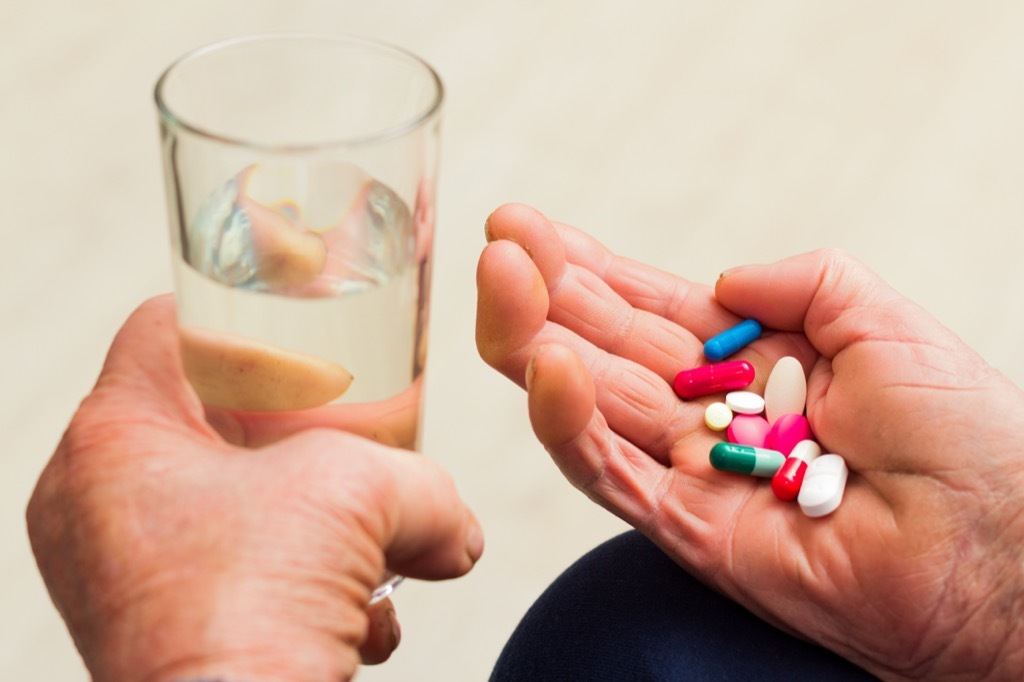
point(173, 554)
point(916, 575)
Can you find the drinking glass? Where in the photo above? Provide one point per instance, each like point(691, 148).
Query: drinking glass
point(300, 177)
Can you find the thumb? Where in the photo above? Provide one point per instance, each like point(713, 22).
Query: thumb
point(828, 295)
point(142, 383)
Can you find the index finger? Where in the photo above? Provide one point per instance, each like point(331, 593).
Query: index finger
point(631, 310)
point(409, 505)
point(688, 304)
point(602, 298)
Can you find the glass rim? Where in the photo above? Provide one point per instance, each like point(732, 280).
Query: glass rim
point(175, 121)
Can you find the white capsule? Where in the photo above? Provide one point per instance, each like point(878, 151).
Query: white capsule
point(823, 486)
point(744, 402)
point(785, 392)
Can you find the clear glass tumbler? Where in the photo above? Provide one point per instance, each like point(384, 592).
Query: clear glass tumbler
point(300, 174)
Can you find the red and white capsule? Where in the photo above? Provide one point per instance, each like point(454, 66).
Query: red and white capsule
point(789, 478)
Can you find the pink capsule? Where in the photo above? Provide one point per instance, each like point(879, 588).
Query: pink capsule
point(708, 379)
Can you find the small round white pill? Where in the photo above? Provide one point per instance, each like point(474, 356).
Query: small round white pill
point(744, 402)
point(718, 416)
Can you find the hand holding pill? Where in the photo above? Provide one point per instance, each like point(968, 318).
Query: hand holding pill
point(930, 435)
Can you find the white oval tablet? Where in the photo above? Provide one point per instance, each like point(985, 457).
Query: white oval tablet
point(823, 486)
point(786, 389)
point(718, 416)
point(744, 402)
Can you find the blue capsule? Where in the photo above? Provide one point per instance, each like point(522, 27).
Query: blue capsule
point(731, 340)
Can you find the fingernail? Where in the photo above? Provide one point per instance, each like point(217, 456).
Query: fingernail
point(396, 629)
point(531, 369)
point(475, 542)
point(729, 272)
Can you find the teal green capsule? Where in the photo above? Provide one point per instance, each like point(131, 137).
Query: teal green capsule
point(746, 459)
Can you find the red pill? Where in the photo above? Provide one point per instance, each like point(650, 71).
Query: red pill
point(788, 479)
point(724, 376)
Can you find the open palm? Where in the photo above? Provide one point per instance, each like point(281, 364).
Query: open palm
point(917, 572)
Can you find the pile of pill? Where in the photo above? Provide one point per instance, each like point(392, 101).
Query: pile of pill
point(768, 435)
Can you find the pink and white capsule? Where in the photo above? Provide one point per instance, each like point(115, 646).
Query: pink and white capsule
point(824, 485)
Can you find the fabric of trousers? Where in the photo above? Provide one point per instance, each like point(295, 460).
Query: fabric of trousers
point(626, 612)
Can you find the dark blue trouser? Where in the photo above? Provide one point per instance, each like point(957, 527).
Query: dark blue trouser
point(626, 612)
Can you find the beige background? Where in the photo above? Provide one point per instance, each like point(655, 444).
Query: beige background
point(694, 135)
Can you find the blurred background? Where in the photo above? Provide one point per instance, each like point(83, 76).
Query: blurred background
point(690, 135)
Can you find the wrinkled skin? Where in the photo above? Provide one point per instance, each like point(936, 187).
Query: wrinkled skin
point(173, 554)
point(918, 574)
